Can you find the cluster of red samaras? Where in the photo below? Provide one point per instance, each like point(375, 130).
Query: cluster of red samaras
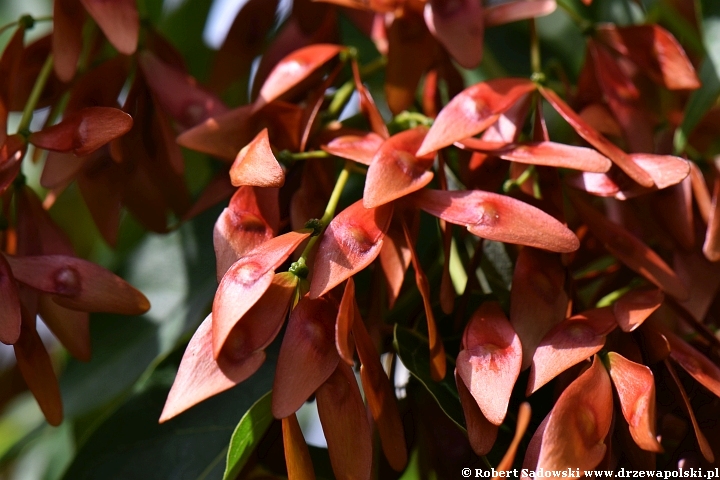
point(127, 155)
point(542, 333)
point(39, 272)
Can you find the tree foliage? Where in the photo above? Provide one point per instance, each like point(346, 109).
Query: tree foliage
point(472, 234)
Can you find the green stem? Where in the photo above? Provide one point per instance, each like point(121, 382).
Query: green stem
point(335, 195)
point(327, 216)
point(612, 297)
point(536, 190)
point(28, 20)
point(288, 157)
point(413, 117)
point(343, 94)
point(534, 49)
point(374, 66)
point(341, 97)
point(310, 155)
point(406, 120)
point(7, 27)
point(35, 95)
point(522, 178)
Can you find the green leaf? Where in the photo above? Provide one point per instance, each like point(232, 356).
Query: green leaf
point(413, 470)
point(321, 463)
point(700, 102)
point(70, 212)
point(497, 265)
point(711, 30)
point(413, 350)
point(247, 434)
point(497, 268)
point(150, 10)
point(47, 456)
point(184, 28)
point(20, 423)
point(619, 12)
point(131, 444)
point(176, 272)
point(705, 97)
point(560, 38)
point(122, 350)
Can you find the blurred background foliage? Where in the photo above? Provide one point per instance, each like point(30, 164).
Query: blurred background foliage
point(112, 403)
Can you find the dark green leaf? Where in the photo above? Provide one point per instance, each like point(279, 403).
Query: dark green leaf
point(321, 463)
point(700, 102)
point(247, 434)
point(131, 444)
point(150, 10)
point(184, 28)
point(497, 267)
point(177, 273)
point(122, 350)
point(47, 456)
point(413, 350)
point(704, 98)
